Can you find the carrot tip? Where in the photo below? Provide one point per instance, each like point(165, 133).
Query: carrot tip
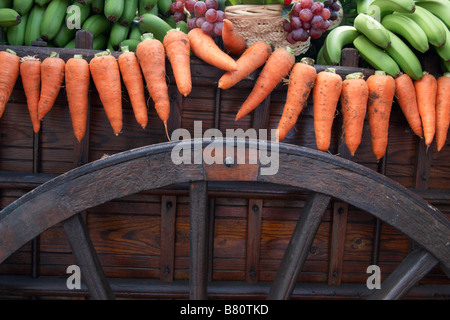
point(167, 132)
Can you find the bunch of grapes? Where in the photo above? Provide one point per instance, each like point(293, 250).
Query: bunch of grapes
point(334, 8)
point(206, 15)
point(308, 19)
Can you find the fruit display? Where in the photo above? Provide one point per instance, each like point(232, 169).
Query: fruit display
point(391, 35)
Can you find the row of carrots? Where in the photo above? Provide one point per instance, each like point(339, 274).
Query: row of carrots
point(425, 103)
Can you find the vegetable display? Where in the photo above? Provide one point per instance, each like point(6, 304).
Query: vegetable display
point(148, 41)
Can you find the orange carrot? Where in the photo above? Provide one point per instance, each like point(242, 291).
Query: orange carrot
point(426, 89)
point(233, 42)
point(326, 93)
point(381, 97)
point(134, 82)
point(253, 58)
point(52, 79)
point(442, 110)
point(30, 72)
point(354, 97)
point(301, 82)
point(78, 78)
point(178, 50)
point(204, 47)
point(406, 98)
point(106, 75)
point(9, 72)
point(152, 59)
point(276, 68)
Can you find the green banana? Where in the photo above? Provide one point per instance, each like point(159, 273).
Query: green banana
point(23, 6)
point(97, 24)
point(430, 24)
point(16, 34)
point(383, 7)
point(9, 17)
point(372, 29)
point(72, 18)
point(118, 34)
point(130, 43)
point(84, 2)
point(408, 29)
point(97, 6)
point(444, 50)
point(6, 3)
point(321, 57)
point(113, 9)
point(53, 18)
point(336, 40)
point(42, 3)
point(147, 5)
point(182, 25)
point(135, 31)
point(70, 44)
point(440, 8)
point(445, 66)
point(33, 29)
point(405, 57)
point(99, 42)
point(63, 36)
point(164, 7)
point(155, 25)
point(129, 12)
point(375, 56)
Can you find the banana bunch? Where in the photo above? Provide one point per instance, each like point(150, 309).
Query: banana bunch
point(389, 35)
point(112, 22)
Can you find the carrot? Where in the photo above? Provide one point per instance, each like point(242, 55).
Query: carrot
point(381, 97)
point(442, 110)
point(354, 98)
point(106, 75)
point(152, 59)
point(30, 72)
point(276, 68)
point(233, 42)
point(78, 78)
point(204, 47)
point(9, 72)
point(426, 89)
point(134, 82)
point(178, 50)
point(52, 79)
point(252, 58)
point(301, 82)
point(406, 99)
point(326, 93)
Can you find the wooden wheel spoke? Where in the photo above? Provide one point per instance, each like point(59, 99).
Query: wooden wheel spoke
point(412, 269)
point(86, 257)
point(198, 231)
point(298, 247)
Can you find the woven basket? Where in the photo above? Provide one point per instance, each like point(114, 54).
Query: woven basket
point(262, 23)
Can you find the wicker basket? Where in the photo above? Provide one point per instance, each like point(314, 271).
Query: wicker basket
point(262, 23)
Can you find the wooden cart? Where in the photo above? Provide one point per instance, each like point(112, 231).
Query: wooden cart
point(140, 226)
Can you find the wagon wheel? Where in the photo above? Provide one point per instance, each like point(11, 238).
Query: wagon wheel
point(325, 176)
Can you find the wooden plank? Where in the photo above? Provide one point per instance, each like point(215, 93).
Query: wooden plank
point(255, 208)
point(298, 247)
point(198, 235)
point(167, 257)
point(340, 212)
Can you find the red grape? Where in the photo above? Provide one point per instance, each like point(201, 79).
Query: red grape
point(316, 8)
point(335, 6)
point(287, 26)
point(325, 14)
point(307, 3)
point(218, 28)
point(325, 25)
point(191, 23)
point(333, 15)
point(289, 38)
point(207, 27)
point(189, 5)
point(296, 9)
point(211, 15)
point(317, 22)
point(178, 16)
point(305, 15)
point(306, 25)
point(296, 22)
point(200, 21)
point(199, 9)
point(315, 33)
point(220, 15)
point(211, 4)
